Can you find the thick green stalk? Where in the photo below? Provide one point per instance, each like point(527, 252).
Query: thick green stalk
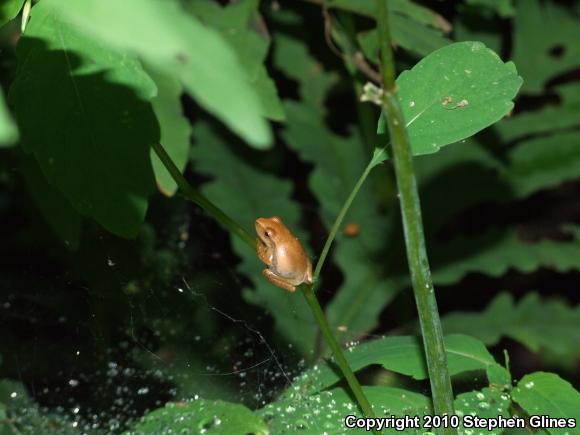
point(201, 200)
point(317, 312)
point(413, 227)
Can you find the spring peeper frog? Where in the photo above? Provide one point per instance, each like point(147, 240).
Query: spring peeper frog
point(287, 261)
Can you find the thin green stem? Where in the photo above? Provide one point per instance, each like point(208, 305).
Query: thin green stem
point(367, 122)
point(317, 312)
point(338, 221)
point(339, 358)
point(201, 200)
point(413, 227)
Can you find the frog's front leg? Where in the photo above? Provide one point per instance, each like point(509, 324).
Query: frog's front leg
point(277, 281)
point(264, 253)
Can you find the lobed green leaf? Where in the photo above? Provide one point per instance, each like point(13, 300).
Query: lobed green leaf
point(539, 324)
point(543, 163)
point(533, 51)
point(495, 253)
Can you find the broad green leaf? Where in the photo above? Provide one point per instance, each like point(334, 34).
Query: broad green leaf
point(8, 128)
point(495, 253)
point(544, 162)
point(404, 355)
point(9, 9)
point(235, 23)
point(56, 209)
point(201, 416)
point(339, 162)
point(540, 325)
point(453, 93)
point(547, 394)
point(487, 403)
point(176, 43)
point(541, 56)
point(325, 411)
point(175, 130)
point(90, 134)
point(245, 192)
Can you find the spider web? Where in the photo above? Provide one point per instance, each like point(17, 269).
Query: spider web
point(123, 353)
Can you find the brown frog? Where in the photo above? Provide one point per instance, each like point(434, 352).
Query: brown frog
point(287, 261)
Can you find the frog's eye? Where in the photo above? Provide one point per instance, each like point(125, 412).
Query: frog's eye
point(270, 233)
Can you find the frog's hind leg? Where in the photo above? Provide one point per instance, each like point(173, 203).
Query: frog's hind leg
point(277, 281)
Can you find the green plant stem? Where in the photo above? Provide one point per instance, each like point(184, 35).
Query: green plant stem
point(201, 200)
point(339, 219)
point(317, 312)
point(413, 227)
point(337, 352)
point(382, 183)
